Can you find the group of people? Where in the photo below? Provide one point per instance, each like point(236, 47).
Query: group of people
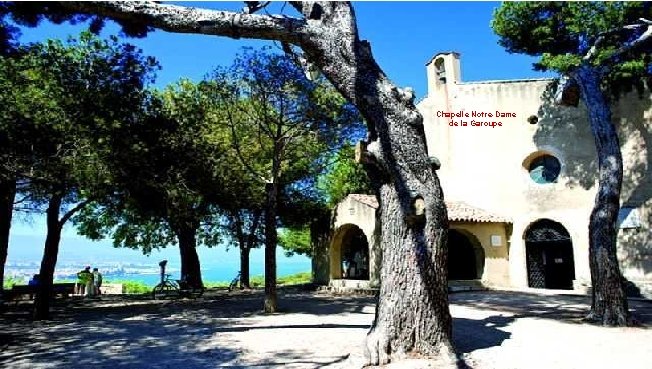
point(89, 283)
point(355, 266)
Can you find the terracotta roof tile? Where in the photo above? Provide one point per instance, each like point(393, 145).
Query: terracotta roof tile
point(458, 211)
point(369, 200)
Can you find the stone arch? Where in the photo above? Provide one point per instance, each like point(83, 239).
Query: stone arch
point(349, 253)
point(465, 255)
point(549, 255)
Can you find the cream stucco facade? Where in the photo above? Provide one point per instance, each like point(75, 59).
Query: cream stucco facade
point(488, 166)
point(540, 236)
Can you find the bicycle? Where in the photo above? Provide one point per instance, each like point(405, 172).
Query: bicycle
point(167, 288)
point(234, 282)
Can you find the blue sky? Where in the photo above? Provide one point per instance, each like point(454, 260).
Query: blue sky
point(403, 36)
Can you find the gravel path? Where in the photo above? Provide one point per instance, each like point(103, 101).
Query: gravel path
point(491, 330)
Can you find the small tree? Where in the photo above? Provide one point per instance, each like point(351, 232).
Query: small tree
point(602, 47)
point(281, 123)
point(10, 146)
point(246, 230)
point(72, 95)
point(170, 172)
point(343, 177)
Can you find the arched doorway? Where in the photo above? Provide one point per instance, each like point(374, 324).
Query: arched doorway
point(350, 254)
point(465, 256)
point(549, 255)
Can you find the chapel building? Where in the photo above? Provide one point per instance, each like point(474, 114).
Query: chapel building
point(519, 175)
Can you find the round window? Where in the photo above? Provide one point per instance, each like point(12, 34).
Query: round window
point(544, 169)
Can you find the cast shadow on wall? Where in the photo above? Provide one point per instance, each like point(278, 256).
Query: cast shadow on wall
point(566, 129)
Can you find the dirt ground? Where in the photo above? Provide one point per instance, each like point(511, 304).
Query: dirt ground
point(314, 330)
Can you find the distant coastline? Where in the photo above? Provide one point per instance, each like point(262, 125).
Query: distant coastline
point(218, 264)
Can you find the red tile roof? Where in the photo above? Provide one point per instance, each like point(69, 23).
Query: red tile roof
point(458, 211)
point(369, 200)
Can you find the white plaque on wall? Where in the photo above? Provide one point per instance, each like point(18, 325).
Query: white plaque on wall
point(496, 240)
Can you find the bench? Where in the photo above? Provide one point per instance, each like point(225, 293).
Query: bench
point(63, 289)
point(17, 291)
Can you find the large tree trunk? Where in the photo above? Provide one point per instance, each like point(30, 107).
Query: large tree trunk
point(49, 261)
point(271, 236)
point(190, 266)
point(7, 197)
point(609, 305)
point(412, 314)
point(244, 267)
point(321, 234)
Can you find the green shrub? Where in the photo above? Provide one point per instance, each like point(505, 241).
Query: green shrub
point(220, 284)
point(259, 281)
point(299, 278)
point(132, 286)
point(10, 281)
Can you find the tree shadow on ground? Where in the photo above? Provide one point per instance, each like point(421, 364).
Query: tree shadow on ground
point(523, 305)
point(290, 326)
point(565, 308)
point(475, 334)
point(218, 303)
point(298, 359)
point(114, 340)
point(135, 332)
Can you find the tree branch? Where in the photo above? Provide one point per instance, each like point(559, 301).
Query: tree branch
point(181, 19)
point(72, 211)
point(254, 6)
point(236, 146)
point(645, 37)
point(24, 199)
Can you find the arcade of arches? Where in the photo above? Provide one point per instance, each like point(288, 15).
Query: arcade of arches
point(481, 247)
point(548, 250)
point(349, 255)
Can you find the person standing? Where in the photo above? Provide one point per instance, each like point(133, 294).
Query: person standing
point(34, 281)
point(357, 259)
point(89, 285)
point(97, 282)
point(83, 279)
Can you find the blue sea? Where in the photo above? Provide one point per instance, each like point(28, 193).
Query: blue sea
point(217, 263)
